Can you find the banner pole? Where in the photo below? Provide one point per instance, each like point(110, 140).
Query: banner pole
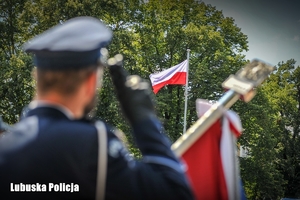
point(202, 124)
point(186, 91)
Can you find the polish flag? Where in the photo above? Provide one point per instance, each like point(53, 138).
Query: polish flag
point(212, 165)
point(173, 76)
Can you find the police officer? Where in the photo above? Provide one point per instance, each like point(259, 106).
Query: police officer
point(55, 152)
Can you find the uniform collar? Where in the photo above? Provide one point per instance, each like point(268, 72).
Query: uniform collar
point(44, 104)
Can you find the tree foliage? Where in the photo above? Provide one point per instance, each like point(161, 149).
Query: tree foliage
point(259, 171)
point(283, 92)
point(16, 84)
point(163, 32)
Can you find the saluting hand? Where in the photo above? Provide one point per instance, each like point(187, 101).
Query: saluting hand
point(133, 93)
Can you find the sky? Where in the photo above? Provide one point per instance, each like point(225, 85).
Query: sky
point(272, 27)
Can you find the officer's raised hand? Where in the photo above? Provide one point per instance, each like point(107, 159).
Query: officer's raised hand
point(132, 92)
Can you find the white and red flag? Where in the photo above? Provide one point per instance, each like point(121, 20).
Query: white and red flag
point(212, 165)
point(175, 75)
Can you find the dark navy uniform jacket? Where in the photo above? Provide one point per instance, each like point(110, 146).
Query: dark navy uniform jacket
point(49, 147)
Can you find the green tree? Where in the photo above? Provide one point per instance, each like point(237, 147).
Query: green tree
point(16, 85)
point(283, 90)
point(261, 177)
point(163, 31)
point(271, 134)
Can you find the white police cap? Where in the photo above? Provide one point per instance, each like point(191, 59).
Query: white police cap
point(74, 44)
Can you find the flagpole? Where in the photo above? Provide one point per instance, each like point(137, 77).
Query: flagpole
point(186, 90)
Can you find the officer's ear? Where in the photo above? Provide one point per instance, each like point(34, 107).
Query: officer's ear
point(91, 83)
